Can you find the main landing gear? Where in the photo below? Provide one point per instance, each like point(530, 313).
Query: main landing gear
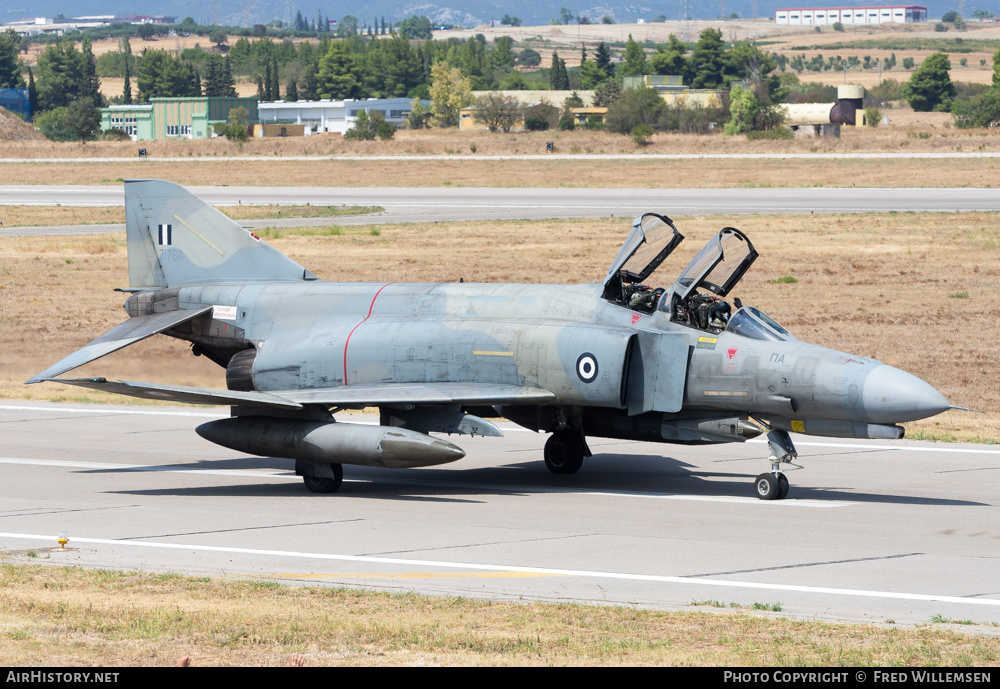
point(773, 485)
point(565, 450)
point(320, 477)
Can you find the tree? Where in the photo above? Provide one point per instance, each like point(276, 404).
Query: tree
point(369, 125)
point(950, 16)
point(565, 16)
point(91, 84)
point(602, 57)
point(558, 76)
point(347, 27)
point(145, 31)
point(529, 58)
point(414, 28)
point(82, 118)
point(61, 77)
point(607, 19)
point(219, 80)
point(634, 107)
point(708, 60)
point(339, 74)
point(450, 92)
point(32, 93)
point(10, 63)
point(510, 21)
point(502, 55)
point(161, 75)
point(497, 111)
point(635, 59)
point(291, 91)
point(669, 58)
point(235, 127)
point(125, 47)
point(607, 92)
point(218, 37)
point(930, 87)
point(979, 113)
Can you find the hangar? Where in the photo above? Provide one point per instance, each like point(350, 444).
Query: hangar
point(174, 118)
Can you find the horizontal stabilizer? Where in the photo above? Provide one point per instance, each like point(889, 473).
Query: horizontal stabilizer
point(180, 393)
point(420, 393)
point(129, 332)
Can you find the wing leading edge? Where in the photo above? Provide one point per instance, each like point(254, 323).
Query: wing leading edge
point(350, 395)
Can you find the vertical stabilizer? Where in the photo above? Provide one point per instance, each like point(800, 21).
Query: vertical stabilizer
point(175, 238)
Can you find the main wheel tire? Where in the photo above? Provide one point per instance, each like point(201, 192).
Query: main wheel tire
point(782, 486)
point(564, 452)
point(767, 487)
point(321, 484)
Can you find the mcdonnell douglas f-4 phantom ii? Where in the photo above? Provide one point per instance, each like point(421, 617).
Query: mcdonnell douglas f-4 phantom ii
point(614, 359)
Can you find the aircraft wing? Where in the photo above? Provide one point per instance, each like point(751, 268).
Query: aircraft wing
point(390, 393)
point(180, 393)
point(122, 335)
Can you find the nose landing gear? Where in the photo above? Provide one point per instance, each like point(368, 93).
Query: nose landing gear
point(773, 485)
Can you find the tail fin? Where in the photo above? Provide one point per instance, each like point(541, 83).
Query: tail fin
point(175, 239)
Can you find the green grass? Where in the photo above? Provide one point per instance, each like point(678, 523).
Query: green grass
point(788, 279)
point(959, 295)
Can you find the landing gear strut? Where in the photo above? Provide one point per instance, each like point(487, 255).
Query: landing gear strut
point(773, 485)
point(565, 450)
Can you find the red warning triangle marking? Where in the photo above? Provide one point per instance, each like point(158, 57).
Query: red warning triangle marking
point(732, 352)
point(635, 318)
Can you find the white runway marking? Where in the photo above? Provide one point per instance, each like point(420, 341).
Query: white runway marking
point(718, 583)
point(505, 429)
point(455, 485)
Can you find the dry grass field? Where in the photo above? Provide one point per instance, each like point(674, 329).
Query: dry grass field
point(912, 290)
point(56, 616)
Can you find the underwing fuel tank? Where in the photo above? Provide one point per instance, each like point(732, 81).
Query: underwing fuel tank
point(329, 441)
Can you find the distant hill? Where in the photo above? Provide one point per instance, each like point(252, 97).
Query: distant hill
point(463, 12)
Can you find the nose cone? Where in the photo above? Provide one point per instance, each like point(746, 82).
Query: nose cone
point(892, 396)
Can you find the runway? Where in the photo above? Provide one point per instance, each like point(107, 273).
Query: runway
point(406, 204)
point(873, 531)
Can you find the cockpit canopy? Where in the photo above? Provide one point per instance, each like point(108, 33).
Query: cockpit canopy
point(652, 239)
point(718, 266)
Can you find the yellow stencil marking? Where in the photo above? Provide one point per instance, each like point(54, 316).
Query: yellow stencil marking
point(199, 235)
point(799, 426)
point(481, 352)
point(413, 575)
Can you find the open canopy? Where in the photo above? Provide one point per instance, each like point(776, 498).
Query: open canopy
point(718, 266)
point(652, 239)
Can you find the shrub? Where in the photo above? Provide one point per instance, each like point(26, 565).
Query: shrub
point(873, 116)
point(641, 134)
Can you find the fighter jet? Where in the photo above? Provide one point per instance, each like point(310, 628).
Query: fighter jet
point(614, 359)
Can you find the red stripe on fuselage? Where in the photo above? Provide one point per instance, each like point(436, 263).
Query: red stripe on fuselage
point(370, 307)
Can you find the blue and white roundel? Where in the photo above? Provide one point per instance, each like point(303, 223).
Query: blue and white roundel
point(586, 367)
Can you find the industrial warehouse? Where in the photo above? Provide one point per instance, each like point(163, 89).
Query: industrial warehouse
point(876, 14)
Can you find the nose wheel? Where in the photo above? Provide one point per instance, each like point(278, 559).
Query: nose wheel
point(771, 486)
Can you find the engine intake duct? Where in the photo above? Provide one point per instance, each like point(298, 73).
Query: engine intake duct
point(239, 371)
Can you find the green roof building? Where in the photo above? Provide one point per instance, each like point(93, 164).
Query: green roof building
point(174, 118)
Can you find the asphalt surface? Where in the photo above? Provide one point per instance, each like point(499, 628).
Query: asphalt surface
point(871, 531)
point(405, 204)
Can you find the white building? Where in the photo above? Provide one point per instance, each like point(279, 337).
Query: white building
point(850, 16)
point(334, 116)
